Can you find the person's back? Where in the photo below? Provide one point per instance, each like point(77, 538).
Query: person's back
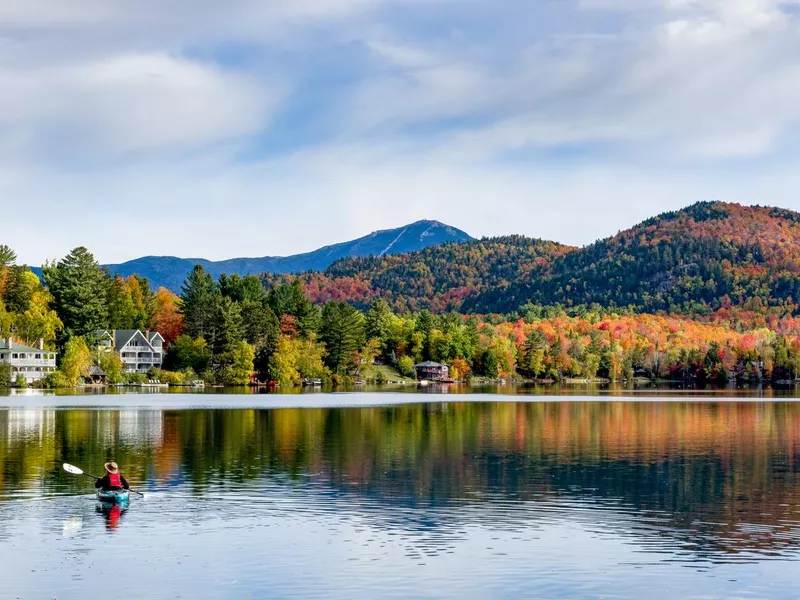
point(112, 480)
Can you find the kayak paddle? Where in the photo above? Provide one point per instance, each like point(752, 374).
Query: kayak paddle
point(77, 471)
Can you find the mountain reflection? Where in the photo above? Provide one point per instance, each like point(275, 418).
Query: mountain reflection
point(715, 478)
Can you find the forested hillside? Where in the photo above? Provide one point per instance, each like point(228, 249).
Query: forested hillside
point(438, 278)
point(707, 256)
point(698, 260)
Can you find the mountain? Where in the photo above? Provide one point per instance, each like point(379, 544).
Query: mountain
point(697, 260)
point(170, 271)
point(438, 278)
point(708, 256)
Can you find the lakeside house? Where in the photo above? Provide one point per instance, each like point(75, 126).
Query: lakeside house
point(139, 350)
point(32, 363)
point(432, 371)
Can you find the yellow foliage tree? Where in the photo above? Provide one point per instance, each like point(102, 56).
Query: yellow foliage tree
point(76, 361)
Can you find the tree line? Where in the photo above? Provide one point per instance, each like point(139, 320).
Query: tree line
point(226, 330)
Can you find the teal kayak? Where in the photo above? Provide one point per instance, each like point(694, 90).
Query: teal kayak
point(113, 496)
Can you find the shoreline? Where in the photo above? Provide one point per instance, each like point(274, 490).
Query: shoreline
point(47, 399)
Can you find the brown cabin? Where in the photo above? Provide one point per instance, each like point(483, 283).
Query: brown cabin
point(432, 371)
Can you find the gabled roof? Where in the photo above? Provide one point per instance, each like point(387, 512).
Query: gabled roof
point(123, 336)
point(154, 335)
point(17, 347)
point(430, 363)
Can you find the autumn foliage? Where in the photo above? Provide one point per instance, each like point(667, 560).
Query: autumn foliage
point(167, 319)
point(708, 257)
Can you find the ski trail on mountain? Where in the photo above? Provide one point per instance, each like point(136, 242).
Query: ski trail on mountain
point(393, 242)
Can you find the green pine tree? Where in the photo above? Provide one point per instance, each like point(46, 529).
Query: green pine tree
point(79, 286)
point(198, 303)
point(342, 331)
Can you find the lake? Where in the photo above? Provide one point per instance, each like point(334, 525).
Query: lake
point(402, 496)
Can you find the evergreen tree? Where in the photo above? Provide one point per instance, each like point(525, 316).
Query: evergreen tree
point(228, 330)
point(342, 332)
point(424, 328)
point(291, 300)
point(379, 320)
point(79, 288)
point(7, 256)
point(259, 322)
point(242, 289)
point(532, 354)
point(198, 303)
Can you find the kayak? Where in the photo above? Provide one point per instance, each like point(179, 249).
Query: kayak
point(113, 496)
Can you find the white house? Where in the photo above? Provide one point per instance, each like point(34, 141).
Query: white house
point(139, 350)
point(32, 363)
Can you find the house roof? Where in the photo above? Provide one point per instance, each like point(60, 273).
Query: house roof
point(21, 347)
point(430, 363)
point(121, 337)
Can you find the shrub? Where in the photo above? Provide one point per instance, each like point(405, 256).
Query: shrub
point(5, 376)
point(134, 378)
point(170, 377)
point(57, 379)
point(406, 366)
point(21, 382)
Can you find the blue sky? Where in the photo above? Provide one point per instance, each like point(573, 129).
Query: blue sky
point(250, 128)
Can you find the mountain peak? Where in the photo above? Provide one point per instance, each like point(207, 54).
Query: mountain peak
point(171, 271)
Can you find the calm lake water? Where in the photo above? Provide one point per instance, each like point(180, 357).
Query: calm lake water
point(402, 496)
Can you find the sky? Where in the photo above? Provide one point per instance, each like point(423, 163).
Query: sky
point(200, 128)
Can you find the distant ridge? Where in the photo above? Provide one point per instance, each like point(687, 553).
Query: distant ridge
point(170, 271)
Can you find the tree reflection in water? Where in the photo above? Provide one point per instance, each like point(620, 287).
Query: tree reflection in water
point(717, 478)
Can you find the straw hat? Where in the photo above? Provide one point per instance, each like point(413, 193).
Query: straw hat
point(112, 467)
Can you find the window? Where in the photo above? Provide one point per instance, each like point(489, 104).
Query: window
point(15, 356)
point(38, 356)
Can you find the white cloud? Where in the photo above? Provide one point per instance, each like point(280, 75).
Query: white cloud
point(129, 103)
point(711, 79)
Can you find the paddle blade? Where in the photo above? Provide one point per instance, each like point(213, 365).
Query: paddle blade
point(72, 469)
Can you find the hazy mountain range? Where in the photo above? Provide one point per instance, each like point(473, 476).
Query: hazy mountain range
point(170, 271)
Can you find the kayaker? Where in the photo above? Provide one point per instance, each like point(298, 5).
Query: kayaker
point(112, 480)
